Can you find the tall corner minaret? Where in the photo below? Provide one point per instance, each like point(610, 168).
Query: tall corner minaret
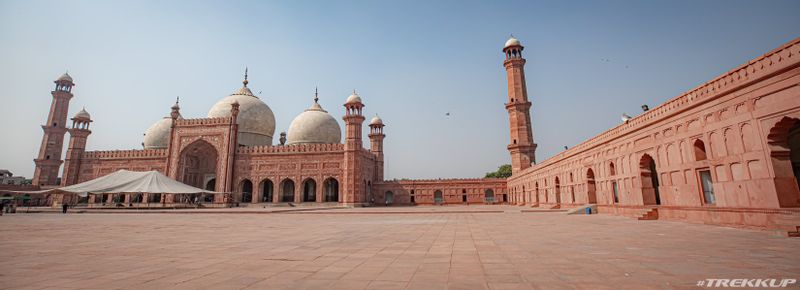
point(376, 144)
point(353, 187)
point(522, 147)
point(78, 134)
point(49, 159)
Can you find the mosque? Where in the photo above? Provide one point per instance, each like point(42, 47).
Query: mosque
point(231, 150)
point(726, 152)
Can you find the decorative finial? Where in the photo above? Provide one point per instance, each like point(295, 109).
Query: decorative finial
point(176, 107)
point(245, 82)
point(316, 94)
point(354, 92)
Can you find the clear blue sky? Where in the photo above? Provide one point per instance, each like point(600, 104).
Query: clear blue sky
point(411, 61)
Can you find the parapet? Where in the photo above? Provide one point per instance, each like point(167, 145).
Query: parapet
point(304, 148)
point(203, 121)
point(125, 154)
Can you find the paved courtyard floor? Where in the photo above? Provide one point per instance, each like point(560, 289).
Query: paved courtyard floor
point(411, 248)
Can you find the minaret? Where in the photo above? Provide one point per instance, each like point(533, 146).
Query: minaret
point(376, 144)
point(49, 159)
point(522, 148)
point(353, 185)
point(77, 145)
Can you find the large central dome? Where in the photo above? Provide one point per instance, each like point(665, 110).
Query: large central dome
point(314, 126)
point(256, 120)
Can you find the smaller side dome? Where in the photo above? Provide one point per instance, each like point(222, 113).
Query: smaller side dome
point(65, 77)
point(376, 120)
point(314, 126)
point(353, 99)
point(157, 136)
point(82, 114)
point(512, 42)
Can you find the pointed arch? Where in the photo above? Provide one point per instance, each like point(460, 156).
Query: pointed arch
point(649, 180)
point(309, 190)
point(267, 190)
point(438, 197)
point(784, 144)
point(488, 196)
point(246, 190)
point(331, 186)
point(591, 187)
point(287, 190)
point(197, 164)
point(558, 190)
point(699, 150)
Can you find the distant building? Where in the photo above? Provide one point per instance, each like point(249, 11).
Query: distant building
point(6, 177)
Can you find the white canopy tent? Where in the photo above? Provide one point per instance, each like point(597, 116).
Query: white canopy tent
point(124, 181)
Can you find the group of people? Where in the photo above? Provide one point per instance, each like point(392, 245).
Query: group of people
point(6, 207)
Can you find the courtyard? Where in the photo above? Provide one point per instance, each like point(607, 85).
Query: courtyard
point(454, 247)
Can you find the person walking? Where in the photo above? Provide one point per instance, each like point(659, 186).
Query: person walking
point(64, 208)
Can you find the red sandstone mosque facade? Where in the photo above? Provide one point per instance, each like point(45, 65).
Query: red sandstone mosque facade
point(724, 153)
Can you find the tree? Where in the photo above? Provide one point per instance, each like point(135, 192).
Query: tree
point(504, 171)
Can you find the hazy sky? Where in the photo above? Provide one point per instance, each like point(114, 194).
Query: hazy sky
point(411, 61)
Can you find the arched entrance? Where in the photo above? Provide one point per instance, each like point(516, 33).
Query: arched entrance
point(558, 191)
point(388, 198)
point(287, 191)
point(246, 188)
point(591, 188)
point(784, 143)
point(211, 184)
point(649, 180)
point(197, 163)
point(309, 190)
point(794, 150)
point(488, 196)
point(331, 186)
point(438, 197)
point(266, 190)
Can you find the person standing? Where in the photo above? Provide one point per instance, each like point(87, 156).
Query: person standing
point(64, 208)
point(2, 207)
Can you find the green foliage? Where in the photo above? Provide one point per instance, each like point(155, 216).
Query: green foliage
point(504, 171)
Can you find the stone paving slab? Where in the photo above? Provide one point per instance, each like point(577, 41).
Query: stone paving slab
point(431, 250)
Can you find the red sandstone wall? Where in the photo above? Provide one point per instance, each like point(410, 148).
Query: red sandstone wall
point(278, 164)
point(738, 117)
point(453, 190)
point(94, 164)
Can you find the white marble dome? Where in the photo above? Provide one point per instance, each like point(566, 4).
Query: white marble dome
point(82, 114)
point(512, 42)
point(256, 120)
point(353, 99)
point(376, 121)
point(314, 126)
point(65, 77)
point(157, 136)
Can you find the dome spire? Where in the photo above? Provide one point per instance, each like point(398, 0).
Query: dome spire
point(315, 106)
point(245, 82)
